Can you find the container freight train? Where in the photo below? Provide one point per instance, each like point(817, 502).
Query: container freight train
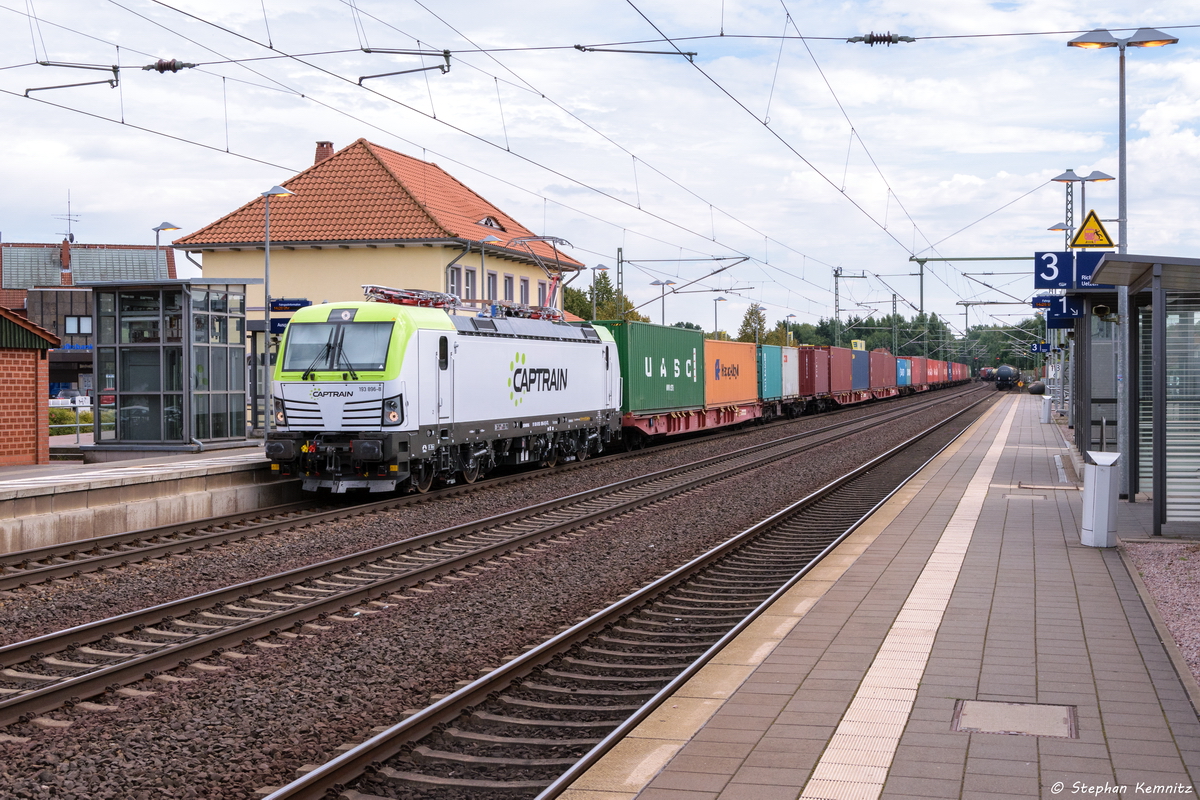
point(397, 392)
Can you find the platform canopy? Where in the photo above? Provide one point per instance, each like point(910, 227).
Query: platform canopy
point(1123, 269)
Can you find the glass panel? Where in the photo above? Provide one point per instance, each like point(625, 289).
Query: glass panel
point(326, 346)
point(237, 369)
point(237, 415)
point(141, 417)
point(139, 370)
point(139, 303)
point(199, 301)
point(218, 330)
point(71, 328)
point(219, 372)
point(108, 330)
point(199, 369)
point(106, 302)
point(173, 301)
point(200, 416)
point(200, 328)
point(237, 330)
point(85, 326)
point(106, 362)
point(107, 419)
point(237, 304)
point(219, 303)
point(174, 332)
point(173, 369)
point(139, 331)
point(173, 417)
point(220, 415)
point(469, 288)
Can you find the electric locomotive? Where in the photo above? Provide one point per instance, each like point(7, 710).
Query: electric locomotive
point(398, 392)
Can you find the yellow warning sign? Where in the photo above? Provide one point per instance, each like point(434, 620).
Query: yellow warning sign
point(1092, 234)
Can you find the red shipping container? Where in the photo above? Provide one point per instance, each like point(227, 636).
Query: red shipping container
point(814, 371)
point(920, 370)
point(883, 369)
point(841, 370)
point(937, 370)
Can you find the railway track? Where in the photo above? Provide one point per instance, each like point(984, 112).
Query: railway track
point(61, 561)
point(534, 725)
point(47, 672)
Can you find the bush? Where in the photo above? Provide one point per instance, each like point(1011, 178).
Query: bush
point(62, 420)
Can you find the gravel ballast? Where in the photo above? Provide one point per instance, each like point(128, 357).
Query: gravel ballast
point(226, 734)
point(1171, 572)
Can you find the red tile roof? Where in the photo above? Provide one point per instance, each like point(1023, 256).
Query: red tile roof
point(368, 193)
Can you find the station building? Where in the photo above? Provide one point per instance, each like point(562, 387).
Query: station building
point(369, 215)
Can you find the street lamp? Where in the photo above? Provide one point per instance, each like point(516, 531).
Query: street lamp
point(715, 301)
point(1068, 178)
point(269, 404)
point(1097, 39)
point(595, 269)
point(788, 325)
point(166, 226)
point(662, 292)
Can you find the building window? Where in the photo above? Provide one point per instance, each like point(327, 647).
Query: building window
point(491, 222)
point(508, 288)
point(525, 291)
point(469, 286)
point(78, 326)
point(541, 293)
point(454, 281)
point(491, 286)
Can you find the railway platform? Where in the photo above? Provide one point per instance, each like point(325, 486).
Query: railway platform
point(66, 501)
point(961, 643)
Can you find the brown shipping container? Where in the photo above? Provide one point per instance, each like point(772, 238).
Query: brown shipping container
point(883, 369)
point(730, 373)
point(920, 370)
point(841, 370)
point(814, 371)
point(937, 371)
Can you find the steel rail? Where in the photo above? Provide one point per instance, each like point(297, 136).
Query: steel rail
point(59, 561)
point(339, 772)
point(178, 648)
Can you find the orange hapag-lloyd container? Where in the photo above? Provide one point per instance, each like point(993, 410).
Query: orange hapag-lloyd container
point(730, 373)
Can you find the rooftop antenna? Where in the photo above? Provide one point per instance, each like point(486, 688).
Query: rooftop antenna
point(69, 218)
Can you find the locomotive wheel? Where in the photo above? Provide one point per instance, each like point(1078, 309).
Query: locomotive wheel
point(551, 460)
point(470, 474)
point(425, 482)
point(581, 454)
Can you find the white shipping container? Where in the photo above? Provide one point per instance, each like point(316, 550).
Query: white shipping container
point(791, 372)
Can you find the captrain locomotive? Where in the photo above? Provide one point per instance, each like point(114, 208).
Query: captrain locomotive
point(380, 395)
point(405, 389)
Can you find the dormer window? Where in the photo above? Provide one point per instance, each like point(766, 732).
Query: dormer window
point(491, 222)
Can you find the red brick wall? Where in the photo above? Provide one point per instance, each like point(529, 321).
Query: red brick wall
point(24, 407)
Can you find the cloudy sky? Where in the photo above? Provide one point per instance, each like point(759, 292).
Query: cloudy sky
point(802, 154)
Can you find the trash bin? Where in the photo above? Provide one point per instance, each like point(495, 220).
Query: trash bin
point(1100, 491)
point(1046, 402)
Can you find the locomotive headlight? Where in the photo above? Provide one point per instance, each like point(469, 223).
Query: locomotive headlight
point(280, 414)
point(393, 410)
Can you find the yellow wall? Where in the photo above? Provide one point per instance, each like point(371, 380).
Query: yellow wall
point(334, 274)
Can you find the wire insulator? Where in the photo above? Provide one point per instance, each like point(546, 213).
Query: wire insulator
point(168, 65)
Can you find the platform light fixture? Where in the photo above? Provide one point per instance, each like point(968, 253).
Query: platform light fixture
point(662, 292)
point(166, 226)
point(715, 301)
point(595, 269)
point(268, 394)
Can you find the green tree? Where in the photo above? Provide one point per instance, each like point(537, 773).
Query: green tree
point(754, 325)
point(608, 304)
point(577, 302)
point(690, 326)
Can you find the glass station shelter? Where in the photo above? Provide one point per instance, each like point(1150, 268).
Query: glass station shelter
point(170, 367)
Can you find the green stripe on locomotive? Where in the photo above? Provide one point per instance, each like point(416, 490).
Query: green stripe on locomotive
point(408, 320)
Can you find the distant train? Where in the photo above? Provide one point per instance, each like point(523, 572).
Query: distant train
point(398, 392)
point(1006, 377)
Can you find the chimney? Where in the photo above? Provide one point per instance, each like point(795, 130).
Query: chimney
point(324, 151)
point(64, 257)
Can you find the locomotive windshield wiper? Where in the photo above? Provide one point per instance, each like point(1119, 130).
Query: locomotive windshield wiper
point(312, 368)
point(339, 354)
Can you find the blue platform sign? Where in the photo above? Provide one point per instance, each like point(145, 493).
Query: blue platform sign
point(1054, 270)
point(289, 303)
point(1064, 307)
point(1039, 347)
point(1085, 265)
point(278, 324)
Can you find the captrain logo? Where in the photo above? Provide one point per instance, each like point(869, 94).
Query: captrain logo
point(533, 379)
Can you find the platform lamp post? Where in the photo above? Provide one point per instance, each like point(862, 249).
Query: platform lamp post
point(788, 322)
point(269, 401)
point(489, 239)
point(715, 301)
point(1095, 40)
point(595, 269)
point(662, 293)
point(166, 226)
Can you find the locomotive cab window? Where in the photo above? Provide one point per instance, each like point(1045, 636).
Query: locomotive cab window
point(333, 347)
